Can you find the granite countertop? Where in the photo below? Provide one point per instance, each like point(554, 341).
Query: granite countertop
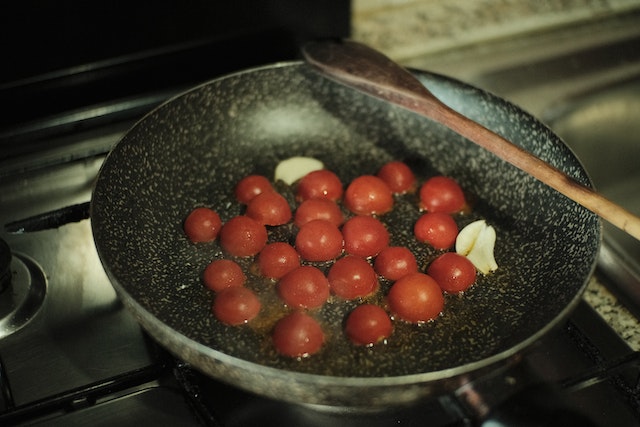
point(438, 32)
point(613, 312)
point(406, 29)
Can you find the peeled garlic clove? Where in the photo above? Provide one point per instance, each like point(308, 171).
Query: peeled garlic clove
point(292, 169)
point(476, 241)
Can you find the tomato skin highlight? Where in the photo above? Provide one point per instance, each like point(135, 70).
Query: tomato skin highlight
point(416, 298)
point(277, 259)
point(242, 236)
point(454, 273)
point(442, 194)
point(364, 236)
point(368, 325)
point(319, 184)
point(236, 305)
point(250, 186)
point(202, 225)
point(437, 229)
point(304, 287)
point(312, 209)
point(368, 195)
point(297, 335)
point(319, 240)
point(394, 262)
point(398, 176)
point(269, 208)
point(352, 277)
point(223, 273)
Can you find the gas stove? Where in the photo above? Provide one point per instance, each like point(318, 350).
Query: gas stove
point(71, 355)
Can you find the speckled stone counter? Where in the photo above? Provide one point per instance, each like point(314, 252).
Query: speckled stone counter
point(406, 29)
point(614, 313)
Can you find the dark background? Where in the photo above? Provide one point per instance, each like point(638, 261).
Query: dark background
point(61, 55)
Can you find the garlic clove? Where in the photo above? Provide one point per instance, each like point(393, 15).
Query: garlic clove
point(292, 169)
point(477, 241)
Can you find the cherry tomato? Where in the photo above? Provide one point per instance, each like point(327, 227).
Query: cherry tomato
point(297, 335)
point(368, 195)
point(319, 184)
point(352, 277)
point(318, 209)
point(442, 194)
point(269, 208)
point(368, 324)
point(364, 236)
point(250, 186)
point(304, 287)
point(236, 305)
point(277, 259)
point(202, 225)
point(242, 236)
point(319, 240)
point(453, 272)
point(398, 177)
point(223, 273)
point(437, 229)
point(416, 298)
point(394, 262)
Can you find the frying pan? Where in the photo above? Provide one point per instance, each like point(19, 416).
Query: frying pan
point(193, 149)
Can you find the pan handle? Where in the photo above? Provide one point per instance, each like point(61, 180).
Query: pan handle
point(513, 396)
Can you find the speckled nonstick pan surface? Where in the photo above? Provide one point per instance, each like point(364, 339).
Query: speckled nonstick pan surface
point(192, 150)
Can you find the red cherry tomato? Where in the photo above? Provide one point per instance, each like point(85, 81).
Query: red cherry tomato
point(202, 225)
point(368, 324)
point(242, 236)
point(398, 176)
point(319, 240)
point(320, 184)
point(236, 305)
point(318, 209)
point(250, 186)
point(304, 287)
point(352, 277)
point(269, 208)
point(223, 273)
point(297, 335)
point(394, 262)
point(368, 195)
point(364, 236)
point(442, 194)
point(416, 298)
point(277, 259)
point(437, 229)
point(453, 272)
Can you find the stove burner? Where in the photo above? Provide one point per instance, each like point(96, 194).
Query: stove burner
point(22, 290)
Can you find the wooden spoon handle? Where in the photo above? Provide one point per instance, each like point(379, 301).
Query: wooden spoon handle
point(544, 172)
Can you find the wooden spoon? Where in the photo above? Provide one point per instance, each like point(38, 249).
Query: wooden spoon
point(361, 67)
